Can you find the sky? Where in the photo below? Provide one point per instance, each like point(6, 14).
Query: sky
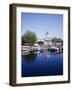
point(42, 23)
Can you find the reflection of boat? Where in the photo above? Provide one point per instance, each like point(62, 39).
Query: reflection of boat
point(25, 52)
point(47, 56)
point(30, 57)
point(36, 51)
point(46, 53)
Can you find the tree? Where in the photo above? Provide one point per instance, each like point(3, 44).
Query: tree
point(29, 37)
point(60, 40)
point(57, 40)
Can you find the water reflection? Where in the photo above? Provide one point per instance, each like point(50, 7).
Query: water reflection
point(30, 58)
point(43, 63)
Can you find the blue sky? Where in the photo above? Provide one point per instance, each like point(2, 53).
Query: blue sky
point(42, 23)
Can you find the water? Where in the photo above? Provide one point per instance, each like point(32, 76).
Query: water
point(42, 64)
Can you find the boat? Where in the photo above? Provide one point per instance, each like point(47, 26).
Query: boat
point(53, 48)
point(36, 47)
point(25, 50)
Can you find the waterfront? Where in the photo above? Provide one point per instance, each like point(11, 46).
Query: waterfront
point(44, 63)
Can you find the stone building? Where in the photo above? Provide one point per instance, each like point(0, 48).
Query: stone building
point(45, 41)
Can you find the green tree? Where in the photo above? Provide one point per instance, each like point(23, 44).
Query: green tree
point(29, 37)
point(57, 40)
point(60, 40)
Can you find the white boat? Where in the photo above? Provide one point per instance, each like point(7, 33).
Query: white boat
point(25, 50)
point(36, 47)
point(52, 47)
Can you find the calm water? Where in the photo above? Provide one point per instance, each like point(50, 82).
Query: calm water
point(42, 64)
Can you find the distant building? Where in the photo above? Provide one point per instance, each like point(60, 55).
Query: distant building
point(45, 41)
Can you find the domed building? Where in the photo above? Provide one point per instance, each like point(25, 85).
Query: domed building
point(45, 42)
point(40, 41)
point(47, 39)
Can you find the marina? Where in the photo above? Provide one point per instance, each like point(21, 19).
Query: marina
point(41, 45)
point(27, 49)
